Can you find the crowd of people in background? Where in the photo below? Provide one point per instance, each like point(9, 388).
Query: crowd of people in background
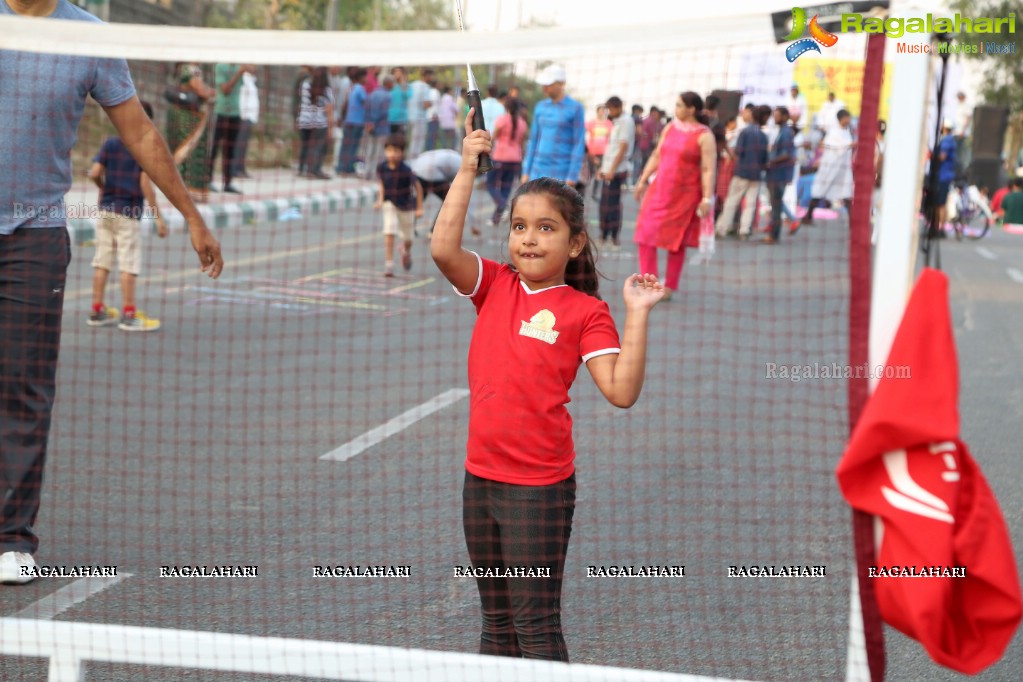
point(343, 115)
point(795, 159)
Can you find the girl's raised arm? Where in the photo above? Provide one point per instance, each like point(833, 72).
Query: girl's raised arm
point(459, 266)
point(620, 376)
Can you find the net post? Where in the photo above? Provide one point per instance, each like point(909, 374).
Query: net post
point(895, 251)
point(65, 666)
point(868, 654)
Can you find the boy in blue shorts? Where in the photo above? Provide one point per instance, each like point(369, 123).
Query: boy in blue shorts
point(123, 190)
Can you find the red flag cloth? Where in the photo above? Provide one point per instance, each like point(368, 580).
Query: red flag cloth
point(940, 529)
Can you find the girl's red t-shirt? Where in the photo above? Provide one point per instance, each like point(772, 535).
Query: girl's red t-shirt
point(525, 352)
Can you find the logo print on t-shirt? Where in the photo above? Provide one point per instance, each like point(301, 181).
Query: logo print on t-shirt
point(540, 326)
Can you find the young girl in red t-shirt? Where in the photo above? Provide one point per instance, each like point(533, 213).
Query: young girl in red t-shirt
point(539, 318)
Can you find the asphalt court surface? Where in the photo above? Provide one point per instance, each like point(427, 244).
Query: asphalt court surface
point(201, 444)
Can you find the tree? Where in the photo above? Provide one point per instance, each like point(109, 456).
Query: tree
point(1003, 73)
point(353, 15)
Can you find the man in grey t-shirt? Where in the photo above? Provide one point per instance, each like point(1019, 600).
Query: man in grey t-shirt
point(42, 97)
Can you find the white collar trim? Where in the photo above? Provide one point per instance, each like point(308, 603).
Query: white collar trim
point(538, 291)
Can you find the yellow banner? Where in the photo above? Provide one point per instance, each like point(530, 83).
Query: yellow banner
point(817, 77)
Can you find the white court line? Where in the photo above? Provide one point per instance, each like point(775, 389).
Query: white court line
point(52, 605)
point(395, 425)
point(1015, 275)
point(190, 273)
point(986, 253)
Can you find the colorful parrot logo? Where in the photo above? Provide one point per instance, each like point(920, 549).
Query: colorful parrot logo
point(804, 45)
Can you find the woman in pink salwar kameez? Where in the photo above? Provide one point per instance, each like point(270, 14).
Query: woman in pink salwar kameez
point(682, 190)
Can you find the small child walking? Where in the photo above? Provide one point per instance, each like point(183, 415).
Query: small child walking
point(539, 319)
point(123, 190)
point(400, 195)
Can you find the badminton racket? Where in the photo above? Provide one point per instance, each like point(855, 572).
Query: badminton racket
point(472, 98)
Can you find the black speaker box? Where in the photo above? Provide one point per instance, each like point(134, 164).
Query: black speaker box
point(987, 171)
point(729, 105)
point(989, 124)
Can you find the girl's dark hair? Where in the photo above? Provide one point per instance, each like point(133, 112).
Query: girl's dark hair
point(581, 272)
point(318, 84)
point(513, 106)
point(691, 99)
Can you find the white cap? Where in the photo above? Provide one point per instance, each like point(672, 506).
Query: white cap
point(948, 123)
point(554, 73)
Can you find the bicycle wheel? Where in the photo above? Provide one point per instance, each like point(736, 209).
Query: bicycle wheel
point(976, 226)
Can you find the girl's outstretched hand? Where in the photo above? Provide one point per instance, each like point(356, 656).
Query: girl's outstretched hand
point(642, 292)
point(476, 142)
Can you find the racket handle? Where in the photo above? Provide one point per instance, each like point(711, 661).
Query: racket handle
point(472, 98)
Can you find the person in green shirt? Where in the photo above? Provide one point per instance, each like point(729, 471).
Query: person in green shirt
point(1012, 204)
point(227, 78)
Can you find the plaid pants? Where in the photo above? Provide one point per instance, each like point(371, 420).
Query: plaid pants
point(508, 526)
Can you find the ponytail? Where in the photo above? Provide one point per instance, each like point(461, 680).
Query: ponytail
point(513, 112)
point(691, 99)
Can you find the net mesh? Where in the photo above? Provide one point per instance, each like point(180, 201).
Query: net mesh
point(305, 411)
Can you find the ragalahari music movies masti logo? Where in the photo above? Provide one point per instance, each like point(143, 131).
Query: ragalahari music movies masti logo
point(804, 45)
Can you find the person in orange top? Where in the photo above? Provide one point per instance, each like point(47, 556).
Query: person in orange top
point(598, 132)
point(509, 134)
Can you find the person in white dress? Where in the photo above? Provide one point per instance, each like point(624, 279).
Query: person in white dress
point(834, 179)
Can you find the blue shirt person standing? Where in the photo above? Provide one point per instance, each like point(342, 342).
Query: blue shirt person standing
point(42, 99)
point(750, 161)
point(355, 123)
point(557, 136)
point(946, 169)
point(781, 161)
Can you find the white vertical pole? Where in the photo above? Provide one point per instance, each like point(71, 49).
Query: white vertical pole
point(895, 253)
point(331, 16)
point(65, 666)
point(898, 229)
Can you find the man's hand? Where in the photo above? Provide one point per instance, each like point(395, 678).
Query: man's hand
point(207, 247)
point(161, 228)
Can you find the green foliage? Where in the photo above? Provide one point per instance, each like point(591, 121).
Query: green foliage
point(1003, 73)
point(353, 15)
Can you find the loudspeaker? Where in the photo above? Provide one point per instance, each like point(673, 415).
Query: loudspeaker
point(987, 171)
point(989, 124)
point(729, 105)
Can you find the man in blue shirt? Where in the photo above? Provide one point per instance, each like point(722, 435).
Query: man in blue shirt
point(42, 98)
point(557, 136)
point(946, 171)
point(781, 161)
point(377, 127)
point(355, 123)
point(750, 161)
